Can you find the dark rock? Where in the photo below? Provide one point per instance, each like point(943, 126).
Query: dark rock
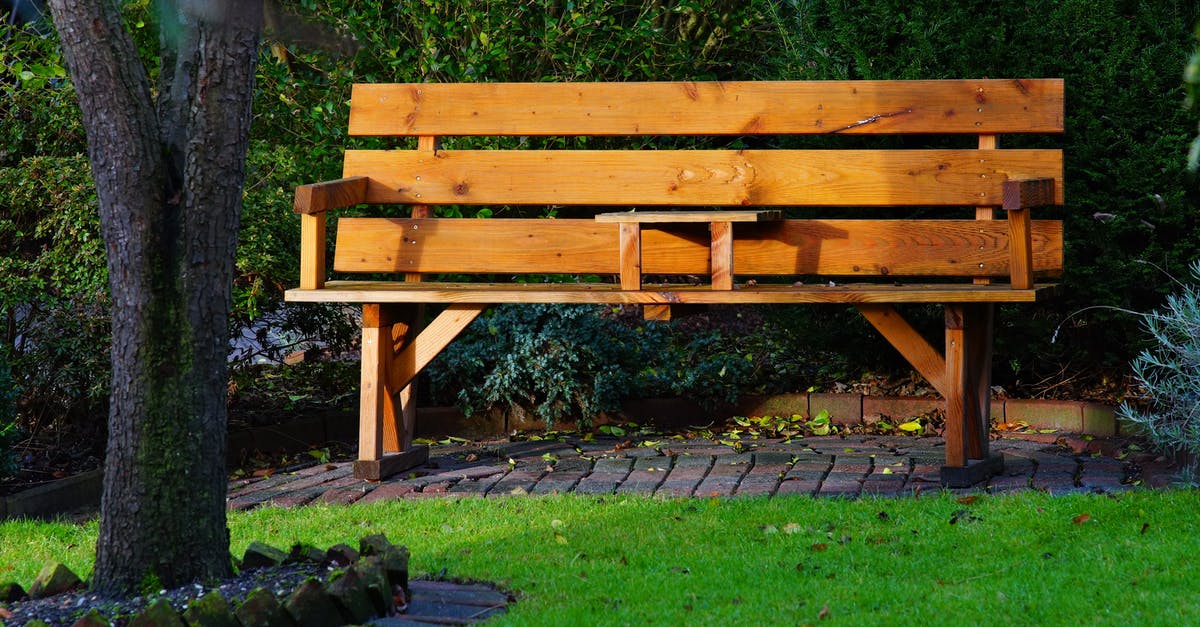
point(210, 610)
point(262, 609)
point(310, 606)
point(395, 558)
point(92, 619)
point(159, 614)
point(349, 593)
point(340, 555)
point(304, 553)
point(259, 555)
point(12, 591)
point(54, 579)
point(379, 589)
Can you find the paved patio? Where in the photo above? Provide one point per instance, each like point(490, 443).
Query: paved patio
point(834, 466)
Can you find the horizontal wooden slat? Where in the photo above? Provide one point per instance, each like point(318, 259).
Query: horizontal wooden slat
point(958, 248)
point(709, 108)
point(494, 293)
point(681, 217)
point(699, 177)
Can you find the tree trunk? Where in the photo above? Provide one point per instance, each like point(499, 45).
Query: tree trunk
point(169, 178)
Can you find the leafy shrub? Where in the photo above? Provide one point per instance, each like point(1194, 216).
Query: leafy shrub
point(567, 362)
point(1169, 372)
point(54, 284)
point(556, 362)
point(8, 418)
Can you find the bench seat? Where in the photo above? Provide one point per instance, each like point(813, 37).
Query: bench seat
point(659, 294)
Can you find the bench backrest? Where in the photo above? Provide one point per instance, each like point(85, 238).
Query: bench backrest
point(969, 180)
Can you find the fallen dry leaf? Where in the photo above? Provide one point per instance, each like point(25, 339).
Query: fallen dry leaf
point(820, 546)
point(967, 500)
point(1082, 518)
point(824, 613)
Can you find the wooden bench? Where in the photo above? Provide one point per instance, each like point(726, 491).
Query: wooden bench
point(650, 213)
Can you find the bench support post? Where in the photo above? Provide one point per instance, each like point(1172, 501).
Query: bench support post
point(377, 426)
point(963, 376)
point(968, 395)
point(394, 351)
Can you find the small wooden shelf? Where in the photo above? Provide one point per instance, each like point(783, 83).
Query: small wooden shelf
point(680, 217)
point(720, 225)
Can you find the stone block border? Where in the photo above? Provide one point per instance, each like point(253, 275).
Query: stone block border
point(369, 585)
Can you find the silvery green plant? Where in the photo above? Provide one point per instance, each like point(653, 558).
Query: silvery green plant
point(1169, 373)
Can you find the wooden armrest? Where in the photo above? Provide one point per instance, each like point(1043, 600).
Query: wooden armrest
point(320, 197)
point(1028, 193)
point(1019, 197)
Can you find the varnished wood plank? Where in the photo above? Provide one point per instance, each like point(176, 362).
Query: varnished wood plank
point(388, 465)
point(722, 255)
point(891, 248)
point(320, 197)
point(376, 352)
point(1020, 237)
point(631, 256)
point(978, 337)
point(657, 313)
point(684, 217)
point(924, 358)
point(986, 142)
point(612, 294)
point(312, 251)
point(1026, 194)
point(955, 388)
point(431, 341)
point(709, 108)
point(698, 177)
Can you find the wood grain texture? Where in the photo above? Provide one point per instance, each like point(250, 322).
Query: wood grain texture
point(923, 357)
point(986, 142)
point(891, 248)
point(631, 256)
point(709, 108)
point(1026, 194)
point(686, 217)
point(644, 178)
point(376, 353)
point(721, 257)
point(1020, 238)
point(602, 293)
point(430, 341)
point(980, 323)
point(320, 197)
point(312, 251)
point(956, 387)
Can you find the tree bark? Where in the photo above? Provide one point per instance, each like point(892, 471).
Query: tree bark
point(169, 177)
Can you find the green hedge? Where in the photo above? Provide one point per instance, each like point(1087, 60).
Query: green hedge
point(1126, 142)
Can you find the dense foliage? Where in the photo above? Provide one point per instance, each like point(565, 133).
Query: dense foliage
point(8, 417)
point(1127, 137)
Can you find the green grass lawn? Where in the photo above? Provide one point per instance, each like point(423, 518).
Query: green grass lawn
point(1022, 559)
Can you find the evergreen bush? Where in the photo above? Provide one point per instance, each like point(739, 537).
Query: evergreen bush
point(8, 419)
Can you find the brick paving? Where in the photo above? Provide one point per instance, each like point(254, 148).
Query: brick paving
point(853, 466)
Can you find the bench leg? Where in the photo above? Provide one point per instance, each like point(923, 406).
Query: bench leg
point(968, 395)
point(378, 428)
